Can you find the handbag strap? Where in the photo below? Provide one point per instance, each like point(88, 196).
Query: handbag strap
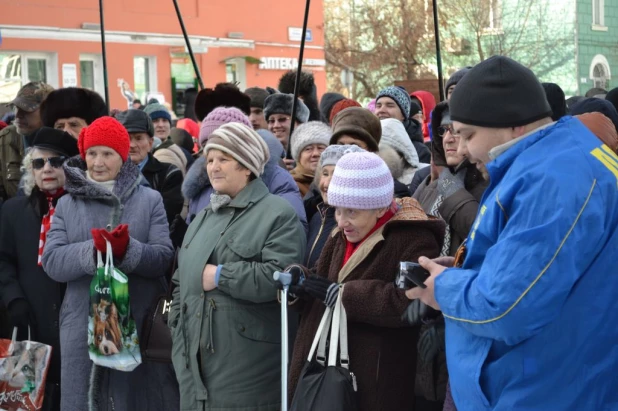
point(321, 357)
point(339, 335)
point(319, 333)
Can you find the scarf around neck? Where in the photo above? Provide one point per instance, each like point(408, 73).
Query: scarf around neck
point(350, 248)
point(47, 219)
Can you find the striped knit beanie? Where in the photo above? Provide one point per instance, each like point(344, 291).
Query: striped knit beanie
point(242, 143)
point(361, 181)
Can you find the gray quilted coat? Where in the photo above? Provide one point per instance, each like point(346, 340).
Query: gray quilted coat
point(69, 257)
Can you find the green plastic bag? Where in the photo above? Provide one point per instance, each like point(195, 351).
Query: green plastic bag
point(112, 334)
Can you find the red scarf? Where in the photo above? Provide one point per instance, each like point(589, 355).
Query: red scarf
point(350, 248)
point(47, 219)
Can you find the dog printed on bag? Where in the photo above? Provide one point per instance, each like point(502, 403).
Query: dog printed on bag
point(107, 334)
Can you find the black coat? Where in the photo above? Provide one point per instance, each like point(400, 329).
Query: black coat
point(321, 225)
point(415, 131)
point(22, 277)
point(167, 180)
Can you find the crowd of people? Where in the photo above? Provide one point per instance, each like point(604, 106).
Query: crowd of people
point(506, 193)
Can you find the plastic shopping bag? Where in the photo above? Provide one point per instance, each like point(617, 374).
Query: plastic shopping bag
point(112, 334)
point(23, 371)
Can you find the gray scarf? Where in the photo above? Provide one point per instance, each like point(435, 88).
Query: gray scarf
point(219, 200)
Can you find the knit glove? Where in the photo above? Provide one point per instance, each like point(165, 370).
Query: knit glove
point(99, 240)
point(449, 183)
point(21, 317)
point(431, 342)
point(119, 239)
point(322, 289)
point(414, 314)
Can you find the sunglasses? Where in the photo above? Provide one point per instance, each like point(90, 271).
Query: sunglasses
point(442, 130)
point(55, 162)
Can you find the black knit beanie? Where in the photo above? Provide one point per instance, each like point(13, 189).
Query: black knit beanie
point(612, 97)
point(555, 98)
point(499, 93)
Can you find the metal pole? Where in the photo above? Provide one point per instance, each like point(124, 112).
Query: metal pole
point(188, 43)
point(285, 279)
point(298, 72)
point(104, 54)
point(438, 54)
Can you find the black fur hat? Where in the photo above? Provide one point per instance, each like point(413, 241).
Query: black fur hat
point(307, 90)
point(72, 102)
point(223, 95)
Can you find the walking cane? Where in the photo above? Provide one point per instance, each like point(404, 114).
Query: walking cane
point(285, 279)
point(288, 155)
point(188, 43)
point(104, 53)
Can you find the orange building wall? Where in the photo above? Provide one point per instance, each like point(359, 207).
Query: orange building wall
point(260, 21)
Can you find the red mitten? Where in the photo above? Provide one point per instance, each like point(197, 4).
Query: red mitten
point(99, 240)
point(119, 239)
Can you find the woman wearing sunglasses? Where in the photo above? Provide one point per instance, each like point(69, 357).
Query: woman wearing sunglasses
point(34, 299)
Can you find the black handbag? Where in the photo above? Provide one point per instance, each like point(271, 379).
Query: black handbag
point(156, 341)
point(323, 385)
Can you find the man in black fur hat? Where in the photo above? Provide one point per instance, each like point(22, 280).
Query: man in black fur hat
point(223, 95)
point(307, 92)
point(71, 109)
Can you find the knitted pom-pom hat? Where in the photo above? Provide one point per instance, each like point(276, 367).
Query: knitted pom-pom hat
point(361, 181)
point(105, 131)
point(218, 117)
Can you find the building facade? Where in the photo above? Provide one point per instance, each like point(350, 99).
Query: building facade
point(573, 43)
point(249, 42)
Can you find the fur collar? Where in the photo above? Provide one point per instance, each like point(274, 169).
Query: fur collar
point(196, 179)
point(78, 185)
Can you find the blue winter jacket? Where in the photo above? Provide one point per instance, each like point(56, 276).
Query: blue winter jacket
point(532, 316)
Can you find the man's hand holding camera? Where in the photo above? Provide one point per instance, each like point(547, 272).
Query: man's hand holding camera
point(435, 268)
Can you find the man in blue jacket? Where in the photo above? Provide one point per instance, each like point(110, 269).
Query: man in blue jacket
point(531, 314)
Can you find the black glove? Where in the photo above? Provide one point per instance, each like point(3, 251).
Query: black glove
point(178, 229)
point(415, 313)
point(298, 276)
point(21, 317)
point(431, 342)
point(322, 289)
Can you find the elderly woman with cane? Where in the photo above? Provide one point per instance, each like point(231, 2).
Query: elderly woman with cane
point(225, 315)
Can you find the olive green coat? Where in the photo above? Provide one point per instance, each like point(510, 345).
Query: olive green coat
point(227, 342)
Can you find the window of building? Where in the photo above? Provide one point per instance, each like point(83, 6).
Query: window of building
point(598, 13)
point(86, 74)
point(600, 72)
point(144, 75)
point(236, 71)
point(231, 73)
point(18, 69)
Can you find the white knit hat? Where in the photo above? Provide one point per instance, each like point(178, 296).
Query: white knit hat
point(361, 181)
point(242, 143)
point(394, 135)
point(313, 132)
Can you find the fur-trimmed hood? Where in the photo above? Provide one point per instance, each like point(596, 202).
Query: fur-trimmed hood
point(196, 179)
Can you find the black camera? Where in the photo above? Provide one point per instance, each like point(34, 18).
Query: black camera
point(411, 275)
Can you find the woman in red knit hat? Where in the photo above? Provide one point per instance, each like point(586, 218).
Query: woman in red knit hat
point(107, 201)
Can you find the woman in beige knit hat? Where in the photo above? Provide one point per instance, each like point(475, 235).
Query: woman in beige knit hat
point(225, 315)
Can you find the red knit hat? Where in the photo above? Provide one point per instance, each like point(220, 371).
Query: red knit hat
point(105, 131)
point(342, 105)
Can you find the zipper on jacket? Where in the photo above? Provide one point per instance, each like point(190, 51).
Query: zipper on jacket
point(212, 307)
point(318, 237)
